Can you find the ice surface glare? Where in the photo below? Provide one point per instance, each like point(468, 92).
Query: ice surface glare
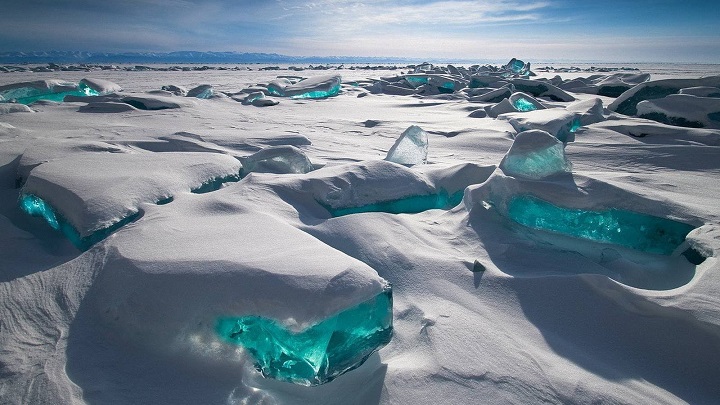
point(37, 207)
point(319, 353)
point(409, 205)
point(522, 104)
point(630, 229)
point(537, 164)
point(411, 148)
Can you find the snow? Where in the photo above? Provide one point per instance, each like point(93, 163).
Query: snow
point(489, 304)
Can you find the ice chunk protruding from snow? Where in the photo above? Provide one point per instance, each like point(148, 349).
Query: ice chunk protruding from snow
point(280, 159)
point(101, 86)
point(517, 67)
point(683, 110)
point(558, 122)
point(314, 87)
point(408, 205)
point(591, 111)
point(52, 90)
point(203, 91)
point(37, 207)
point(540, 88)
point(411, 148)
point(535, 155)
point(523, 102)
point(319, 353)
point(630, 229)
point(627, 102)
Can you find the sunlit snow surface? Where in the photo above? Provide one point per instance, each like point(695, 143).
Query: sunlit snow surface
point(237, 255)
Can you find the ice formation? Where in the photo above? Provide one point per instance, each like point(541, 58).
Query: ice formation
point(535, 154)
point(627, 102)
point(539, 88)
point(152, 102)
point(406, 205)
point(683, 110)
point(314, 87)
point(591, 111)
point(320, 353)
point(37, 207)
point(518, 67)
point(558, 122)
point(630, 229)
point(277, 159)
point(93, 192)
point(53, 90)
point(411, 148)
point(523, 102)
point(202, 91)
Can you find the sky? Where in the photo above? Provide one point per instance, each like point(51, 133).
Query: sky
point(539, 30)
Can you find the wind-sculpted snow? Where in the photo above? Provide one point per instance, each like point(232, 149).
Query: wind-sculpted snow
point(304, 312)
point(683, 110)
point(203, 279)
point(92, 192)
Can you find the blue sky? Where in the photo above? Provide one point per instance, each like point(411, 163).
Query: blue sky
point(539, 30)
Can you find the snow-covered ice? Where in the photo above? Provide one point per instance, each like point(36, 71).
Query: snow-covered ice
point(551, 237)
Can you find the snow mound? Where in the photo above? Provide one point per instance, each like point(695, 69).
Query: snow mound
point(106, 107)
point(683, 110)
point(94, 191)
point(250, 264)
point(633, 240)
point(627, 102)
point(8, 108)
point(156, 102)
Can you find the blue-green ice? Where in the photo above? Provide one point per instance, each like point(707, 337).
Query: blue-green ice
point(319, 353)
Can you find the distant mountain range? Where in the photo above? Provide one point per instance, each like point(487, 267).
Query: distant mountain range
point(183, 57)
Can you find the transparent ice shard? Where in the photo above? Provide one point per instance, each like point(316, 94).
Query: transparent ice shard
point(625, 228)
point(407, 205)
point(37, 207)
point(411, 148)
point(319, 353)
point(535, 155)
point(277, 159)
